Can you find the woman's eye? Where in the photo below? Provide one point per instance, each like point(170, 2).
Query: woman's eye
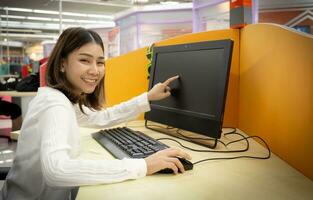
point(84, 60)
point(100, 63)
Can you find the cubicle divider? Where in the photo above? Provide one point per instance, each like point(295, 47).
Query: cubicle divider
point(276, 91)
point(270, 90)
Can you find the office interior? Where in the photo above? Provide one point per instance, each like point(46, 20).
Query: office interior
point(270, 88)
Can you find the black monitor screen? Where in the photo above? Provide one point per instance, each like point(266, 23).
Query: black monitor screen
point(198, 96)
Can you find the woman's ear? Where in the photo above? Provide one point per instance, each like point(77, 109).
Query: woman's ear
point(63, 65)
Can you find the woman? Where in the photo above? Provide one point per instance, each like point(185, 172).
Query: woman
point(46, 165)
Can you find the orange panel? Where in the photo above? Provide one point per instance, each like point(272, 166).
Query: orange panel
point(276, 91)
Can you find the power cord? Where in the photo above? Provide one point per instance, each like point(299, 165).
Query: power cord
point(188, 138)
point(233, 132)
point(237, 157)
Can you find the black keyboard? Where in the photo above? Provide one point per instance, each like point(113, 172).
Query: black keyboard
point(125, 142)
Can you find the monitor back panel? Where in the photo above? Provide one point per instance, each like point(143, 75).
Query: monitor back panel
point(198, 96)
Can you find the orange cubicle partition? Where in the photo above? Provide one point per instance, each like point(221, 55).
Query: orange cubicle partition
point(270, 94)
point(276, 91)
point(126, 75)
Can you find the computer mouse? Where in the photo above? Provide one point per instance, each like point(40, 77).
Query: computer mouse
point(186, 163)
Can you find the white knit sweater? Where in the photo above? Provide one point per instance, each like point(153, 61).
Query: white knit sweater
point(46, 165)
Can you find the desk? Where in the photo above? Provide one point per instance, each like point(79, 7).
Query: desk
point(222, 179)
point(20, 98)
point(17, 94)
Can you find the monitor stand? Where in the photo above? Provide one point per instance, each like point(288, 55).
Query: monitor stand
point(194, 138)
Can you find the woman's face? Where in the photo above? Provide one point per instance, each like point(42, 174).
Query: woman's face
point(84, 68)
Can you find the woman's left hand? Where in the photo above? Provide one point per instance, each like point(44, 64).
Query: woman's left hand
point(161, 90)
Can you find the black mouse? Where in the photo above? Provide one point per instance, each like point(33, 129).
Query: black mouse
point(186, 163)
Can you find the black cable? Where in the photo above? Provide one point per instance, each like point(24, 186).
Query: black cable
point(243, 138)
point(225, 158)
point(193, 138)
point(182, 138)
point(204, 150)
point(237, 157)
point(216, 151)
point(233, 132)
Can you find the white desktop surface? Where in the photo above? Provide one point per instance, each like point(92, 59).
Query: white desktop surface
point(17, 94)
point(220, 179)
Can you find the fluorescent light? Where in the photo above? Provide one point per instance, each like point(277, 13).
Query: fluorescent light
point(51, 26)
point(13, 16)
point(74, 14)
point(28, 25)
point(48, 42)
point(14, 35)
point(18, 9)
point(40, 18)
point(51, 12)
point(23, 30)
point(100, 16)
point(169, 2)
point(67, 20)
point(140, 1)
point(12, 43)
point(54, 19)
point(7, 151)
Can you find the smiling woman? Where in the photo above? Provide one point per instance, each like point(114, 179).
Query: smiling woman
point(76, 67)
point(49, 143)
point(84, 68)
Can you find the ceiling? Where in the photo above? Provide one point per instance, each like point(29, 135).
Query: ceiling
point(38, 20)
point(41, 20)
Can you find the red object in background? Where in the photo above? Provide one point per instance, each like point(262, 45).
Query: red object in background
point(238, 3)
point(43, 60)
point(42, 71)
point(24, 71)
point(42, 74)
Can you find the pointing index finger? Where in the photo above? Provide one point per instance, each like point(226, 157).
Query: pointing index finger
point(168, 81)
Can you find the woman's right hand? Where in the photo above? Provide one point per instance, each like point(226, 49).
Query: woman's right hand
point(166, 158)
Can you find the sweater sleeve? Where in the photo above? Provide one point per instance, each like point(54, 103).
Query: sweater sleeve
point(60, 169)
point(122, 112)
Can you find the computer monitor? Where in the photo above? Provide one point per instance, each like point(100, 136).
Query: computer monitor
point(198, 97)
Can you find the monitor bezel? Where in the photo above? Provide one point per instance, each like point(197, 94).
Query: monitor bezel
point(214, 125)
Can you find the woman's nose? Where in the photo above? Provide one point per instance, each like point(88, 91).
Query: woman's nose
point(94, 69)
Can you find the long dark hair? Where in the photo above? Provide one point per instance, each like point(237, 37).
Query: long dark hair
point(70, 40)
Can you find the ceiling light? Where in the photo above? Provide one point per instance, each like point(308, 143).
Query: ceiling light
point(52, 26)
point(57, 13)
point(40, 18)
point(46, 12)
point(140, 1)
point(12, 16)
point(14, 35)
point(169, 2)
point(12, 43)
point(23, 30)
point(18, 9)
